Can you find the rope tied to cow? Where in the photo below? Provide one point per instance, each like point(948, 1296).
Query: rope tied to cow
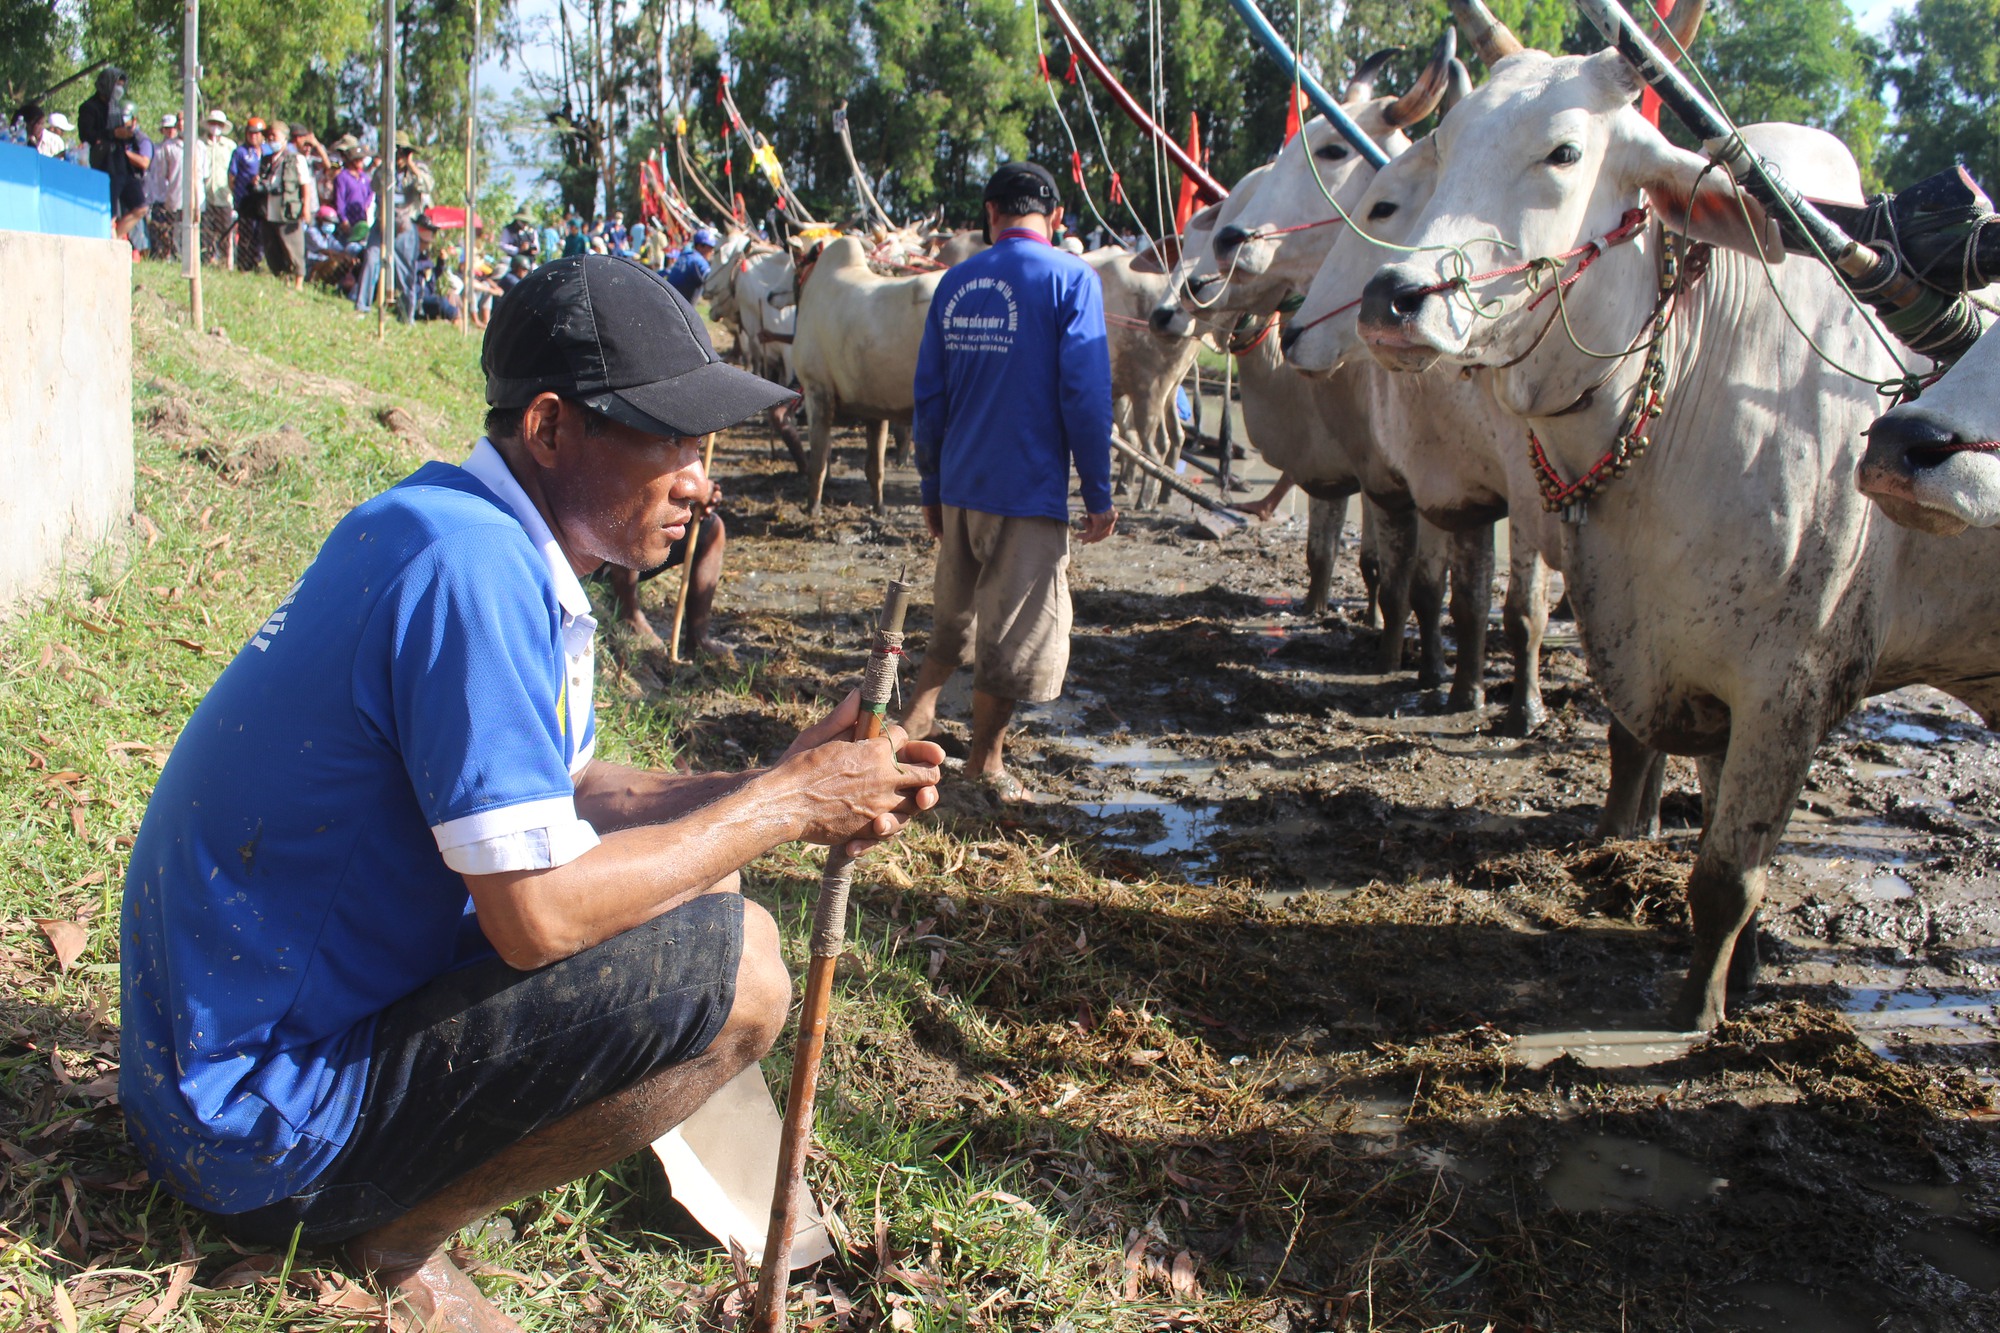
point(1678, 270)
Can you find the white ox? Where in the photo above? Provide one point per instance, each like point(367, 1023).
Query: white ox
point(1146, 368)
point(1934, 464)
point(1737, 595)
point(1281, 224)
point(855, 352)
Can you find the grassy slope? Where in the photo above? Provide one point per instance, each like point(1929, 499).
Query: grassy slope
point(98, 680)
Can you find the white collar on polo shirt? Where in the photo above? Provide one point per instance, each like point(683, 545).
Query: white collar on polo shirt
point(492, 472)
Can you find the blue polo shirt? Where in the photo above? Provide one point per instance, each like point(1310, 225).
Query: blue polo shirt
point(1014, 383)
point(415, 709)
point(688, 272)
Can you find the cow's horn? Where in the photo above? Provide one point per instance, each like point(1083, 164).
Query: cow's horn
point(1430, 87)
point(1488, 35)
point(1459, 88)
point(1362, 86)
point(1684, 22)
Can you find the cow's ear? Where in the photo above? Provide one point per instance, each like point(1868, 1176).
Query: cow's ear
point(1162, 255)
point(1704, 203)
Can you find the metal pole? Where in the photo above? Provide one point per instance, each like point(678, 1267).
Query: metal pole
point(191, 172)
point(471, 197)
point(1926, 320)
point(385, 205)
point(1261, 29)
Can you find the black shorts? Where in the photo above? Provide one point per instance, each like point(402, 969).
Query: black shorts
point(481, 1058)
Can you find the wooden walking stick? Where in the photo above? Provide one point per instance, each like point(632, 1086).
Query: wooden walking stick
point(695, 522)
point(829, 933)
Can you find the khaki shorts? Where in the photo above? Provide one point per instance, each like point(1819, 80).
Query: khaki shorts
point(1002, 599)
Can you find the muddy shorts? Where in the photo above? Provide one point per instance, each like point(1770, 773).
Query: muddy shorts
point(1002, 599)
point(479, 1059)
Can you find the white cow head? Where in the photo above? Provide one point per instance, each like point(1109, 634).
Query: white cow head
point(1188, 296)
point(1549, 153)
point(1324, 333)
point(1934, 465)
point(1257, 252)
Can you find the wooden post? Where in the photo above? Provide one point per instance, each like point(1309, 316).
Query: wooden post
point(191, 173)
point(471, 196)
point(385, 197)
point(687, 562)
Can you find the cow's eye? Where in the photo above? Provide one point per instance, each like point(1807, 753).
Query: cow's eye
point(1332, 152)
point(1564, 155)
point(1385, 209)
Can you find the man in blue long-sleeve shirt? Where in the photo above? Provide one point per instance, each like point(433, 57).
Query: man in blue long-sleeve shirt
point(1013, 386)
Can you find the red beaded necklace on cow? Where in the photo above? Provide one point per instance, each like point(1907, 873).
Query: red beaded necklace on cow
point(1677, 273)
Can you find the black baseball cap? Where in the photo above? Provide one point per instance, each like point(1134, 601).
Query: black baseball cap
point(1017, 181)
point(611, 334)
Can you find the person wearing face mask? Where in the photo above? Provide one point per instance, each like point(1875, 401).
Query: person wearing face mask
point(93, 118)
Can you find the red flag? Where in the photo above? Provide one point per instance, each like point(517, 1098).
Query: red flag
point(742, 211)
point(1649, 101)
point(1184, 205)
point(1076, 167)
point(1291, 115)
point(721, 89)
point(1043, 60)
point(1117, 189)
point(1071, 76)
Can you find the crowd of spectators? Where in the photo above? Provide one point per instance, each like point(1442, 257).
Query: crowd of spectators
point(278, 198)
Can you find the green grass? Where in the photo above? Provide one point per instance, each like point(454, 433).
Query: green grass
point(96, 681)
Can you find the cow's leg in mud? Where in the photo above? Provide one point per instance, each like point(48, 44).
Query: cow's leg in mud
point(1395, 536)
point(819, 425)
point(878, 461)
point(1471, 603)
point(1638, 774)
point(1427, 590)
point(1763, 771)
point(1525, 619)
point(1323, 523)
point(784, 422)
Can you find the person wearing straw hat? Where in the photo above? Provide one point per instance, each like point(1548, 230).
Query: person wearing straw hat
point(163, 189)
point(398, 948)
point(212, 155)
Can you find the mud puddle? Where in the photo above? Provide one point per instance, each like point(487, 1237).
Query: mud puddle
point(1396, 988)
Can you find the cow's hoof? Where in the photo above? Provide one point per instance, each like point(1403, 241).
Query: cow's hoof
point(1521, 721)
point(1466, 699)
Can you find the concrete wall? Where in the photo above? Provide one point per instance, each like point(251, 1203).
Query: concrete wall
point(65, 403)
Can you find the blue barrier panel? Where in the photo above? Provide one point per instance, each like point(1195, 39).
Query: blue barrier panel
point(20, 188)
point(76, 201)
point(48, 195)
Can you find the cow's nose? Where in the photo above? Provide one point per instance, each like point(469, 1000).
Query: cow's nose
point(1288, 337)
point(1162, 318)
point(1914, 438)
point(1228, 239)
point(1391, 298)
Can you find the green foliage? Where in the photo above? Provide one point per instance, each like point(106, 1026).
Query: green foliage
point(33, 42)
point(1944, 65)
point(1795, 60)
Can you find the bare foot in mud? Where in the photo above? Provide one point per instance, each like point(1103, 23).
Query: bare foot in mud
point(1005, 788)
point(1261, 510)
point(723, 654)
point(641, 628)
point(435, 1297)
point(920, 726)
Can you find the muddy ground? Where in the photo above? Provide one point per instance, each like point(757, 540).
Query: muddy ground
point(1393, 1063)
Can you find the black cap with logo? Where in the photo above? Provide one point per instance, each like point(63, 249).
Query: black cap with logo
point(611, 334)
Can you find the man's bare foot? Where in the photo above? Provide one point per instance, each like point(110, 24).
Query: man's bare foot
point(920, 726)
point(435, 1297)
point(722, 652)
point(1261, 510)
point(1006, 788)
point(640, 628)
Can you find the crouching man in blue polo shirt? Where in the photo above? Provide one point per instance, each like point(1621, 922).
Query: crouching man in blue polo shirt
point(398, 950)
